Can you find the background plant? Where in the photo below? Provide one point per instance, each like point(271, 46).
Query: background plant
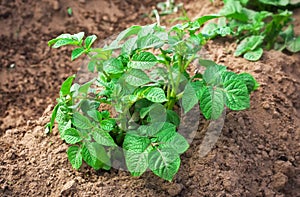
point(255, 29)
point(142, 76)
point(168, 7)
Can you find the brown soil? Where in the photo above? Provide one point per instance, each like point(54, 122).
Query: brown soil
point(257, 154)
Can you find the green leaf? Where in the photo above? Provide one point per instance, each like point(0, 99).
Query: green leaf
point(162, 35)
point(140, 91)
point(137, 163)
point(66, 39)
point(72, 136)
point(224, 31)
point(95, 114)
point(248, 44)
point(95, 156)
point(146, 30)
point(207, 63)
point(136, 153)
point(137, 77)
point(173, 117)
point(250, 82)
point(157, 113)
point(62, 127)
point(61, 115)
point(206, 18)
point(90, 159)
point(231, 7)
point(135, 143)
point(164, 163)
point(74, 89)
point(165, 133)
point(62, 36)
point(81, 121)
point(70, 11)
point(287, 35)
point(234, 9)
point(92, 65)
point(244, 2)
point(105, 114)
point(63, 42)
point(49, 126)
point(275, 27)
point(66, 86)
point(103, 137)
point(85, 87)
point(294, 45)
point(89, 41)
point(275, 2)
point(113, 66)
point(129, 46)
point(144, 112)
point(178, 143)
point(149, 129)
point(108, 124)
point(159, 75)
point(210, 30)
point(99, 153)
point(74, 156)
point(189, 98)
point(133, 30)
point(212, 74)
point(149, 41)
point(222, 22)
point(77, 52)
point(129, 99)
point(156, 95)
point(212, 102)
point(78, 37)
point(143, 60)
point(198, 87)
point(101, 54)
point(237, 96)
point(167, 137)
point(88, 104)
point(254, 55)
point(228, 75)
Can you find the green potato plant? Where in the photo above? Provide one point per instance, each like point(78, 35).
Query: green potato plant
point(141, 78)
point(255, 30)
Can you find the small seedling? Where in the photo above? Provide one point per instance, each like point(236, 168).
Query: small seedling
point(70, 11)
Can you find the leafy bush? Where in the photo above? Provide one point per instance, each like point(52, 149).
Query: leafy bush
point(255, 29)
point(142, 76)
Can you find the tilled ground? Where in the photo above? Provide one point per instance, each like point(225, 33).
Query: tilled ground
point(257, 153)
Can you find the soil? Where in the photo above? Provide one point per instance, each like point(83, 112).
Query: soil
point(257, 154)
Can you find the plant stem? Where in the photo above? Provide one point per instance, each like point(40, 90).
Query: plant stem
point(175, 85)
point(189, 61)
point(179, 96)
point(170, 85)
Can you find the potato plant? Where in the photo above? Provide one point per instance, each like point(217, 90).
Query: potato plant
point(142, 78)
point(255, 30)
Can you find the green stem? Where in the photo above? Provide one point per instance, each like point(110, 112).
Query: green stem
point(175, 85)
point(123, 120)
point(170, 76)
point(189, 61)
point(179, 96)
